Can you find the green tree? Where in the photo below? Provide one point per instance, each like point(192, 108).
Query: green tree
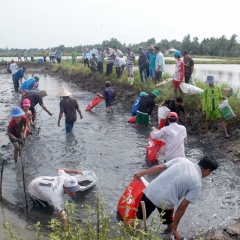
point(186, 43)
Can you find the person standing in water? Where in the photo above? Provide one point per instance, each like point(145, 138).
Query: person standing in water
point(68, 106)
point(17, 129)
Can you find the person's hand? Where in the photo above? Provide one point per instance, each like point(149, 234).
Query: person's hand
point(20, 141)
point(153, 129)
point(138, 175)
point(81, 116)
point(176, 235)
point(50, 113)
point(59, 124)
point(79, 172)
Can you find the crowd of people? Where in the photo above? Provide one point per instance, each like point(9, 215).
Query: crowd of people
point(180, 179)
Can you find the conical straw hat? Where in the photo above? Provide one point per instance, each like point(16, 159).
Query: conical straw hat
point(64, 93)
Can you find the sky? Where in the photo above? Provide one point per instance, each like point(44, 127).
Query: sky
point(50, 23)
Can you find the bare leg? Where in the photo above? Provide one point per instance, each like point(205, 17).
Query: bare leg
point(224, 127)
point(33, 117)
point(175, 93)
point(16, 148)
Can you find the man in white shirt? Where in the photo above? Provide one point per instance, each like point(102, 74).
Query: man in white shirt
point(180, 179)
point(52, 189)
point(159, 64)
point(174, 136)
point(91, 52)
point(13, 68)
point(120, 65)
point(117, 52)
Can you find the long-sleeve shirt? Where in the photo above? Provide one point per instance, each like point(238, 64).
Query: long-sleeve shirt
point(146, 104)
point(174, 136)
point(160, 62)
point(118, 62)
point(143, 61)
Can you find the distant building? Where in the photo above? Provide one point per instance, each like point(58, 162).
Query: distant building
point(170, 51)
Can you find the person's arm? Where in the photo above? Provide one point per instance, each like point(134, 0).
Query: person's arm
point(24, 133)
point(59, 118)
point(80, 113)
point(178, 215)
point(161, 104)
point(67, 170)
point(153, 170)
point(46, 110)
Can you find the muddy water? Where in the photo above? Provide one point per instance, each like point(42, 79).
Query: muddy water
point(114, 150)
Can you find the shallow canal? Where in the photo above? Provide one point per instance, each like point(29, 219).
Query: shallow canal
point(114, 150)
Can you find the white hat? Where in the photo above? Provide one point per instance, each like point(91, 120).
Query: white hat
point(71, 184)
point(64, 93)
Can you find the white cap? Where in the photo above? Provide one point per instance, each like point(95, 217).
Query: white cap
point(71, 184)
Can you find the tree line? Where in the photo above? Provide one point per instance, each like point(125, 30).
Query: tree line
point(222, 46)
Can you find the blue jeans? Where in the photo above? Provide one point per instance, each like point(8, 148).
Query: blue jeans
point(143, 71)
point(68, 126)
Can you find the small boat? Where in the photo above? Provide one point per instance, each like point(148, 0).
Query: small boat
point(86, 180)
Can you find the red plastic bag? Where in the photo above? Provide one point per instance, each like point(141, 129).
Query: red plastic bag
point(153, 149)
point(93, 103)
point(132, 119)
point(130, 200)
point(161, 123)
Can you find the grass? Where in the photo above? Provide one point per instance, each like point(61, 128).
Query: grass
point(191, 103)
point(96, 223)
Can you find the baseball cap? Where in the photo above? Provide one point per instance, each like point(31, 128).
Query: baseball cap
point(142, 94)
point(26, 103)
point(172, 115)
point(71, 184)
point(177, 54)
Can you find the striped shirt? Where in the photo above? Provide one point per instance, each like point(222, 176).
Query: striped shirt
point(109, 57)
point(130, 59)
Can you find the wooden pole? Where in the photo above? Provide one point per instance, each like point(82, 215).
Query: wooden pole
point(1, 181)
point(23, 174)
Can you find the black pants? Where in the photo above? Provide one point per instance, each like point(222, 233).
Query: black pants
point(32, 59)
point(100, 67)
point(119, 71)
point(16, 85)
point(109, 69)
point(150, 207)
point(59, 60)
point(86, 62)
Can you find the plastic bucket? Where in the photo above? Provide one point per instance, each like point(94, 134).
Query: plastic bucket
point(226, 110)
point(40, 60)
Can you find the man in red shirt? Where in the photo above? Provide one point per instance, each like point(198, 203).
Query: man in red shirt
point(179, 74)
point(17, 129)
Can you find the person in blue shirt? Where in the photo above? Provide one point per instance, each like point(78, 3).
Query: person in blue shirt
point(108, 96)
point(30, 84)
point(136, 104)
point(59, 56)
point(18, 76)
